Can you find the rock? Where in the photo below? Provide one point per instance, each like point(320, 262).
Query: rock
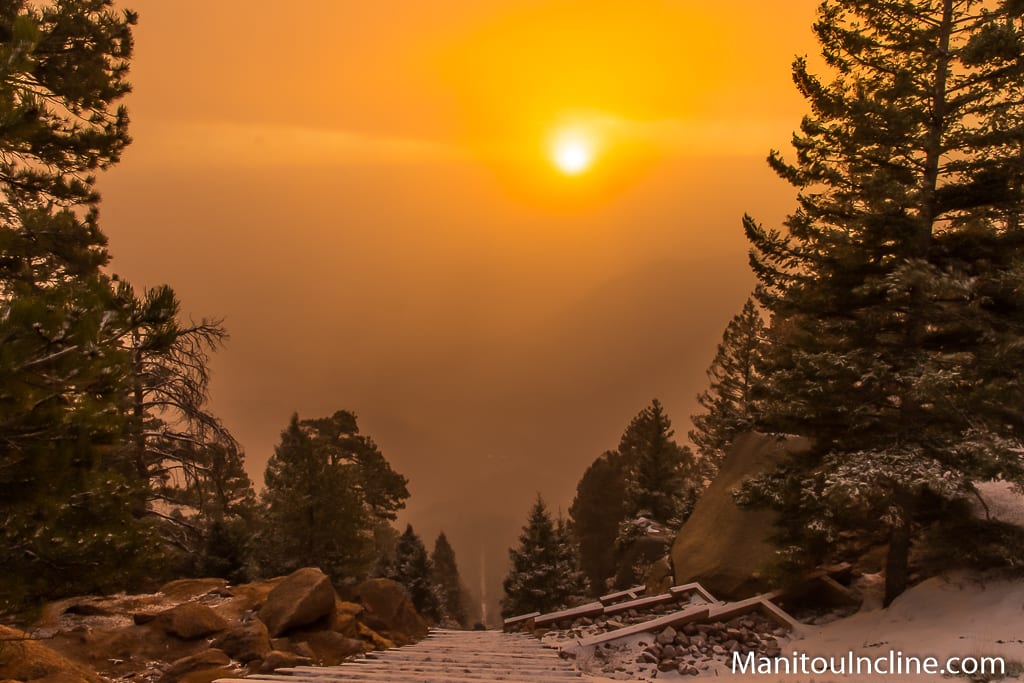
point(668, 652)
point(135, 645)
point(330, 648)
point(648, 657)
point(276, 659)
point(189, 620)
point(659, 576)
point(302, 649)
point(389, 609)
point(304, 597)
point(185, 589)
point(724, 547)
point(23, 659)
point(246, 642)
point(88, 609)
point(667, 665)
point(205, 666)
point(666, 636)
point(346, 615)
point(374, 640)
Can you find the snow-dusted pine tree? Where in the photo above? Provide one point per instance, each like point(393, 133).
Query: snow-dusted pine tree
point(728, 401)
point(447, 582)
point(660, 481)
point(596, 512)
point(896, 294)
point(544, 575)
point(414, 570)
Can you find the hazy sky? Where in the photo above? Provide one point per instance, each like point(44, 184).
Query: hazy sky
point(364, 191)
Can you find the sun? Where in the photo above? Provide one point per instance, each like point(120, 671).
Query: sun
point(572, 153)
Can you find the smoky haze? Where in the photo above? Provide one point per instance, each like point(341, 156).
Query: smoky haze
point(492, 340)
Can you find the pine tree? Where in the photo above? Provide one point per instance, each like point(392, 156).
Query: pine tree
point(66, 493)
point(315, 515)
point(660, 473)
point(895, 294)
point(447, 582)
point(596, 512)
point(62, 69)
point(728, 401)
point(414, 570)
point(540, 578)
point(339, 440)
point(568, 560)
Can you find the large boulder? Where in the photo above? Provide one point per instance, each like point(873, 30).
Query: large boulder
point(328, 647)
point(201, 668)
point(279, 659)
point(23, 659)
point(305, 597)
point(722, 546)
point(346, 618)
point(389, 608)
point(189, 620)
point(245, 643)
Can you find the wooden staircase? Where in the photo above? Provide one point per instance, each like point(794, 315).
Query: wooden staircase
point(449, 656)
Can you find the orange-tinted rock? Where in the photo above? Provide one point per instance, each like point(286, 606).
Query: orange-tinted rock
point(389, 609)
point(23, 659)
point(189, 620)
point(303, 598)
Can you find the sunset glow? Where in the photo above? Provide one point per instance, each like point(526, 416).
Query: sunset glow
point(572, 154)
point(493, 230)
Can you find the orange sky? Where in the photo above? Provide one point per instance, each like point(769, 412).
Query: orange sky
point(362, 189)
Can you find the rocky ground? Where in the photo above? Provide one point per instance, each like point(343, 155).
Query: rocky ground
point(957, 615)
point(198, 630)
point(692, 650)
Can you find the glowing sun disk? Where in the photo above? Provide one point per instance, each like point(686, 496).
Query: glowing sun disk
point(572, 155)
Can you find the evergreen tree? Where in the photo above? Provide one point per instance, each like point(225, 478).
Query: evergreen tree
point(62, 70)
point(447, 582)
point(896, 293)
point(660, 483)
point(568, 560)
point(192, 466)
point(540, 579)
point(339, 440)
point(596, 512)
point(414, 570)
point(315, 515)
point(728, 401)
point(66, 492)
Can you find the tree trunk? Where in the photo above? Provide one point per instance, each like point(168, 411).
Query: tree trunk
point(897, 562)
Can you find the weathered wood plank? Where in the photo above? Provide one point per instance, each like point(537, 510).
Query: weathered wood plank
point(512, 621)
point(690, 614)
point(639, 603)
point(728, 610)
point(590, 609)
point(442, 657)
point(693, 588)
point(629, 593)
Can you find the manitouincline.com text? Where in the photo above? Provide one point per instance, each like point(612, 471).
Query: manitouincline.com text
point(894, 663)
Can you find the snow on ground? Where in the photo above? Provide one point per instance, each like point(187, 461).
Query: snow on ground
point(960, 615)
